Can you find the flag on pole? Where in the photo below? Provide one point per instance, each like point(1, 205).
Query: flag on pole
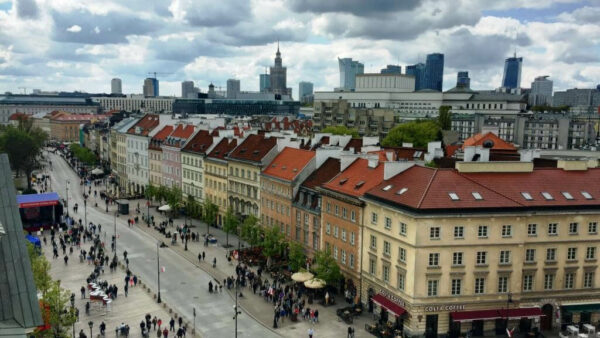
point(510, 332)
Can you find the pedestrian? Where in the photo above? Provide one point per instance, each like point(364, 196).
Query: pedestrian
point(210, 286)
point(165, 333)
point(199, 257)
point(172, 324)
point(135, 280)
point(154, 320)
point(126, 289)
point(159, 322)
point(203, 256)
point(82, 292)
point(180, 321)
point(311, 332)
point(102, 328)
point(215, 262)
point(316, 315)
point(350, 332)
point(82, 334)
point(158, 333)
point(66, 259)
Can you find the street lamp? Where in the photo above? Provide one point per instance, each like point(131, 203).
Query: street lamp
point(68, 182)
point(85, 209)
point(508, 301)
point(158, 300)
point(115, 233)
point(91, 324)
point(237, 285)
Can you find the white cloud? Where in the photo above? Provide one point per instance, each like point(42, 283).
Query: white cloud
point(74, 29)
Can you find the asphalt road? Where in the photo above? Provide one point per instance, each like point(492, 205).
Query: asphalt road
point(183, 285)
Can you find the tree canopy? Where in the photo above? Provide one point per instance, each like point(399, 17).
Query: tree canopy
point(251, 231)
point(326, 267)
point(445, 117)
point(296, 256)
point(24, 145)
point(547, 108)
point(419, 133)
point(341, 130)
point(272, 243)
point(83, 154)
point(230, 225)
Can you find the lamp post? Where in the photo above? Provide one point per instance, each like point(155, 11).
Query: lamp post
point(68, 182)
point(158, 300)
point(185, 228)
point(508, 301)
point(235, 307)
point(85, 209)
point(148, 215)
point(115, 233)
point(91, 324)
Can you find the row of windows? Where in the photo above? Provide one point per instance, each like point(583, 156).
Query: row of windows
point(343, 257)
point(341, 233)
point(215, 185)
point(217, 170)
point(506, 230)
point(340, 211)
point(247, 174)
point(244, 189)
point(275, 206)
point(276, 189)
point(192, 190)
point(192, 175)
point(221, 202)
point(193, 161)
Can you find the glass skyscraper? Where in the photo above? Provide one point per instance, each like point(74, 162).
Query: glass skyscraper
point(512, 72)
point(434, 71)
point(418, 71)
point(348, 71)
point(392, 69)
point(265, 83)
point(463, 80)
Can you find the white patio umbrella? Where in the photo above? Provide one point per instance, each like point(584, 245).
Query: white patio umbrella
point(97, 171)
point(165, 207)
point(315, 283)
point(302, 276)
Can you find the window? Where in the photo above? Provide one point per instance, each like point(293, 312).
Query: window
point(482, 231)
point(553, 229)
point(593, 228)
point(551, 255)
point(588, 279)
point(530, 255)
point(335, 251)
point(344, 235)
point(502, 284)
point(506, 230)
point(328, 229)
point(373, 242)
point(479, 286)
point(353, 216)
point(477, 196)
point(344, 213)
point(457, 258)
point(453, 196)
point(432, 288)
point(402, 229)
point(434, 233)
point(402, 255)
point(388, 223)
point(328, 207)
point(528, 283)
point(372, 266)
point(335, 231)
point(526, 196)
point(434, 259)
point(387, 248)
point(590, 253)
point(547, 195)
point(401, 281)
point(573, 228)
point(569, 280)
point(571, 254)
point(386, 273)
point(504, 257)
point(567, 195)
point(587, 195)
point(373, 218)
point(343, 257)
point(337, 210)
point(532, 229)
point(352, 238)
point(481, 258)
point(459, 232)
point(456, 287)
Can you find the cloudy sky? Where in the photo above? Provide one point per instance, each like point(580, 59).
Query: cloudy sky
point(82, 44)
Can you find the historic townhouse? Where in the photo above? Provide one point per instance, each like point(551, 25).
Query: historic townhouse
point(215, 176)
point(171, 151)
point(192, 158)
point(279, 184)
point(245, 163)
point(452, 250)
point(121, 143)
point(155, 153)
point(137, 153)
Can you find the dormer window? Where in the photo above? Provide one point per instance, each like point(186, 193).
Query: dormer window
point(343, 180)
point(387, 187)
point(359, 184)
point(401, 191)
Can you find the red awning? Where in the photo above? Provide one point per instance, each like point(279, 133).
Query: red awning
point(388, 304)
point(467, 316)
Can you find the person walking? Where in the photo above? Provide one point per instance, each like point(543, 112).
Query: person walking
point(165, 333)
point(82, 292)
point(311, 332)
point(180, 321)
point(172, 324)
point(126, 289)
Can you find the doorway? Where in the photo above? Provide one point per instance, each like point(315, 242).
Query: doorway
point(500, 326)
point(477, 328)
point(431, 324)
point(525, 325)
point(586, 317)
point(454, 328)
point(546, 319)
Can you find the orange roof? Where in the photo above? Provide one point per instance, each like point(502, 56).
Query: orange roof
point(183, 131)
point(18, 116)
point(357, 179)
point(488, 140)
point(289, 163)
point(157, 140)
point(146, 124)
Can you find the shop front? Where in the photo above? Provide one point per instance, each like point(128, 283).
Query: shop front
point(579, 314)
point(495, 321)
point(390, 322)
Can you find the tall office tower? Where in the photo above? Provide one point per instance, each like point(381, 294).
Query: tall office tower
point(278, 76)
point(304, 89)
point(418, 71)
point(187, 89)
point(115, 86)
point(392, 69)
point(511, 78)
point(434, 71)
point(265, 83)
point(541, 91)
point(233, 88)
point(150, 87)
point(348, 71)
point(463, 80)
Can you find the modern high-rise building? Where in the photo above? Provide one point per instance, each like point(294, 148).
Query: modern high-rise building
point(348, 71)
point(265, 83)
point(434, 71)
point(541, 91)
point(392, 69)
point(233, 88)
point(463, 80)
point(304, 89)
point(115, 86)
point(278, 76)
point(511, 78)
point(151, 87)
point(187, 89)
point(418, 71)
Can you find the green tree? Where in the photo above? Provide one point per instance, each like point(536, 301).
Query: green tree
point(272, 244)
point(296, 256)
point(445, 117)
point(83, 154)
point(341, 130)
point(251, 231)
point(60, 316)
point(230, 224)
point(326, 267)
point(24, 147)
point(162, 193)
point(150, 192)
point(419, 133)
point(40, 268)
point(209, 213)
point(174, 199)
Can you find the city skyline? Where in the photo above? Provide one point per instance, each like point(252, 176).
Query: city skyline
point(82, 46)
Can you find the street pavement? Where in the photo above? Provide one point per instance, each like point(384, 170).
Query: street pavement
point(184, 284)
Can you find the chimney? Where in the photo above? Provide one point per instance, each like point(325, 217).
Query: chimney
point(391, 169)
point(373, 160)
point(346, 160)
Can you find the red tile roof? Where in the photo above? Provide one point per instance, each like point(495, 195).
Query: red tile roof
point(199, 143)
point(326, 172)
point(488, 138)
point(183, 131)
point(253, 148)
point(157, 140)
point(355, 143)
point(357, 179)
point(289, 163)
point(429, 189)
point(451, 150)
point(146, 125)
point(18, 116)
point(223, 148)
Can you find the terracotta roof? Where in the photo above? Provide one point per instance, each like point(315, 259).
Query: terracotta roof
point(146, 124)
point(18, 116)
point(253, 148)
point(157, 140)
point(430, 189)
point(355, 143)
point(289, 163)
point(199, 143)
point(223, 148)
point(451, 149)
point(183, 131)
point(357, 179)
point(326, 172)
point(215, 131)
point(488, 140)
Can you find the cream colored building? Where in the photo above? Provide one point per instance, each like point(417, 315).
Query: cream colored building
point(445, 250)
point(215, 176)
point(157, 137)
point(120, 133)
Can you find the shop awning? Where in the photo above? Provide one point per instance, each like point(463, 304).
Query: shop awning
point(37, 200)
point(387, 304)
point(467, 316)
point(593, 307)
